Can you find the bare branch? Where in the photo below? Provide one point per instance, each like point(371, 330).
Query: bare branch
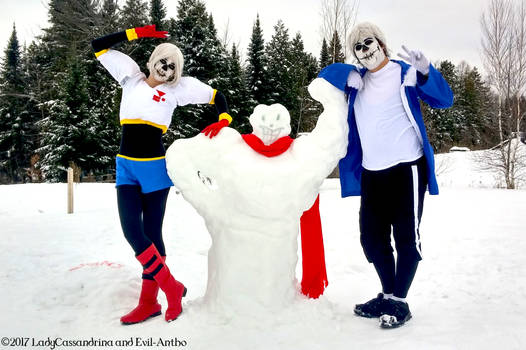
point(338, 16)
point(504, 56)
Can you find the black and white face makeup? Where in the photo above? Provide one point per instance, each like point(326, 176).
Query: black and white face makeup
point(164, 70)
point(369, 52)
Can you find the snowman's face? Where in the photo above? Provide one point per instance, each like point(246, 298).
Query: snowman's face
point(270, 123)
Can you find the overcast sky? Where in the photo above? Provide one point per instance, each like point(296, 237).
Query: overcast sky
point(440, 29)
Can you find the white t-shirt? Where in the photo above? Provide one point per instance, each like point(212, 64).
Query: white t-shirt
point(142, 104)
point(386, 133)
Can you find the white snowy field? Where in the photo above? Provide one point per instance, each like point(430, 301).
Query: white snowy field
point(71, 277)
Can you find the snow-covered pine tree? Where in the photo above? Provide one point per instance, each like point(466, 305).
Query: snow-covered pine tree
point(205, 59)
point(218, 57)
point(336, 53)
point(109, 17)
point(133, 14)
point(32, 83)
point(157, 16)
point(257, 76)
point(73, 23)
point(325, 57)
point(445, 126)
point(305, 68)
point(104, 96)
point(237, 93)
point(474, 101)
point(67, 132)
point(16, 128)
point(279, 65)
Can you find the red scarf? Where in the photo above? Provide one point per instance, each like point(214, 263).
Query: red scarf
point(314, 279)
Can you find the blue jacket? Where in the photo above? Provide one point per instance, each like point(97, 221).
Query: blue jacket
point(414, 86)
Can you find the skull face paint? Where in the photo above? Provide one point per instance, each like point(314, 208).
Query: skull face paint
point(369, 52)
point(164, 70)
point(166, 63)
point(270, 123)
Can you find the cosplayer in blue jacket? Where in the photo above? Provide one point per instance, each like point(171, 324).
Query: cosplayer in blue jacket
point(389, 161)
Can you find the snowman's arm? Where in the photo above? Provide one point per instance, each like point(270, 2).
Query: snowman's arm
point(195, 166)
point(327, 143)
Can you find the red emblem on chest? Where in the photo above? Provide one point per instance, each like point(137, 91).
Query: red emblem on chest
point(159, 97)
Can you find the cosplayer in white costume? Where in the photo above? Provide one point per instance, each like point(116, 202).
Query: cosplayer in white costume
point(252, 204)
point(142, 183)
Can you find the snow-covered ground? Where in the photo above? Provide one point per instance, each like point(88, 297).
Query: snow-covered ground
point(70, 277)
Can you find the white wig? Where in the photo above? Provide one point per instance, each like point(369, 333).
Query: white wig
point(365, 29)
point(167, 50)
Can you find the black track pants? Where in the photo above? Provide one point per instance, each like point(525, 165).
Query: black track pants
point(393, 199)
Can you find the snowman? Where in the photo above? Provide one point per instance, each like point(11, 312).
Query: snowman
point(251, 191)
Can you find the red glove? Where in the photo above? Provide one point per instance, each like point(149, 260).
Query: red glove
point(213, 129)
point(150, 32)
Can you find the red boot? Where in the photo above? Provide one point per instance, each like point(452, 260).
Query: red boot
point(148, 305)
point(153, 264)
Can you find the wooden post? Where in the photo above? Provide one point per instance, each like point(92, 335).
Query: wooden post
point(70, 190)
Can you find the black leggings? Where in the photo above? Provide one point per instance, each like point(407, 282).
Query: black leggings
point(142, 216)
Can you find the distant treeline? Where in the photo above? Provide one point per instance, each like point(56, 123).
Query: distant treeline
point(59, 107)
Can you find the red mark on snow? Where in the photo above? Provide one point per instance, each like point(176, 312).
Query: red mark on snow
point(157, 98)
point(98, 263)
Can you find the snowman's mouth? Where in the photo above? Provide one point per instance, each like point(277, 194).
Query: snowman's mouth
point(270, 134)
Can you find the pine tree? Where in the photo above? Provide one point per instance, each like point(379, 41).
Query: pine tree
point(158, 14)
point(474, 101)
point(335, 49)
point(278, 66)
point(205, 59)
point(237, 93)
point(257, 77)
point(158, 18)
point(135, 14)
point(445, 126)
point(65, 132)
point(73, 23)
point(109, 17)
point(304, 110)
point(325, 57)
point(15, 125)
point(33, 84)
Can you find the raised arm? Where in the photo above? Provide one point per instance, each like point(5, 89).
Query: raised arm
point(120, 66)
point(321, 150)
point(431, 86)
point(102, 44)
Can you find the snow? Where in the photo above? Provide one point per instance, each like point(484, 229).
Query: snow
point(452, 168)
point(73, 276)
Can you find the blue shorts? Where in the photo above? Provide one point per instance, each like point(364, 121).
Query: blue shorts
point(150, 174)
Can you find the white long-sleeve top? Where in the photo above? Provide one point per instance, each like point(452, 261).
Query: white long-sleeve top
point(386, 134)
point(142, 104)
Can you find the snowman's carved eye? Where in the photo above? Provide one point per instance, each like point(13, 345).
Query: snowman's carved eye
point(263, 117)
point(207, 181)
point(277, 117)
